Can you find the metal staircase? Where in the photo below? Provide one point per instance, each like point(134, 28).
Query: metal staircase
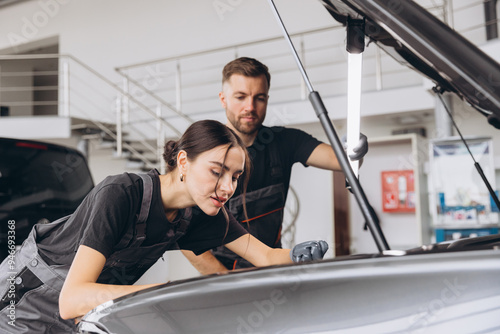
point(128, 119)
point(61, 85)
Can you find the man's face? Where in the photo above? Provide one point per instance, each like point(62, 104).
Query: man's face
point(245, 101)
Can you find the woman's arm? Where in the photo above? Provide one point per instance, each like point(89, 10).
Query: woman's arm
point(80, 292)
point(257, 253)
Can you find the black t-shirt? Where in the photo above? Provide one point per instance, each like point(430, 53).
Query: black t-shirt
point(294, 146)
point(110, 209)
point(273, 154)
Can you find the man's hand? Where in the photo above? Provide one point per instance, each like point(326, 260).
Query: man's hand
point(309, 251)
point(360, 149)
point(205, 263)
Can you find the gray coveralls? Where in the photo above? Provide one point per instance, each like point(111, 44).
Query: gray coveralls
point(29, 290)
point(32, 286)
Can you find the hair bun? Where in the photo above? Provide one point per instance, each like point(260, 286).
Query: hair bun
point(170, 154)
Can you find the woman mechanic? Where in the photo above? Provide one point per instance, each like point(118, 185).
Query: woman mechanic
point(125, 224)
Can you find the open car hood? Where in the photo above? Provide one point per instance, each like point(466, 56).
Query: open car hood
point(419, 40)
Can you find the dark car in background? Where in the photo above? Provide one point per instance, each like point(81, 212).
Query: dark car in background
point(451, 287)
point(38, 182)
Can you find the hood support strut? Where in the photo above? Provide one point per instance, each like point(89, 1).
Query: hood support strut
point(322, 113)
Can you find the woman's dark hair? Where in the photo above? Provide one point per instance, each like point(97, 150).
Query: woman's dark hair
point(203, 136)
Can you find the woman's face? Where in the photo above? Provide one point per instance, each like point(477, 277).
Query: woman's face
point(202, 175)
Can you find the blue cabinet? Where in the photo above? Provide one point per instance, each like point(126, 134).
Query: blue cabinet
point(446, 234)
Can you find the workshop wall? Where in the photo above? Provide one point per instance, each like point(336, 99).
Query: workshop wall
point(107, 34)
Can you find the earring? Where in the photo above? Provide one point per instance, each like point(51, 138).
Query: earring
point(182, 178)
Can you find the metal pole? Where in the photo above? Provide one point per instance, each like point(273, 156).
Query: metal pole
point(178, 87)
point(292, 47)
point(66, 92)
point(448, 13)
point(303, 88)
point(119, 133)
point(378, 69)
point(490, 15)
point(160, 138)
point(126, 102)
point(0, 87)
point(444, 125)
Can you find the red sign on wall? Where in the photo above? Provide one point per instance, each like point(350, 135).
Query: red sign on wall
point(398, 191)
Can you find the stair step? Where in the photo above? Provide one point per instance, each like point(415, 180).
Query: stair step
point(136, 159)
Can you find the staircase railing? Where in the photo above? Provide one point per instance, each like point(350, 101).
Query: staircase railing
point(55, 84)
point(190, 83)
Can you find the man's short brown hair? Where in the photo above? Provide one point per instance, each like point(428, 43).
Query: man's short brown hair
point(248, 67)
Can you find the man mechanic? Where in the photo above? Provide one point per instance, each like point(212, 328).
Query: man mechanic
point(273, 151)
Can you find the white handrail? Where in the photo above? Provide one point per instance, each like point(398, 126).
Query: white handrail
point(80, 88)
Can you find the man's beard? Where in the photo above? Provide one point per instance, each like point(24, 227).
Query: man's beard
point(245, 129)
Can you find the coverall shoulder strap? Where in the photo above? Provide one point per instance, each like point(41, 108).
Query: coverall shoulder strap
point(147, 195)
point(274, 159)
